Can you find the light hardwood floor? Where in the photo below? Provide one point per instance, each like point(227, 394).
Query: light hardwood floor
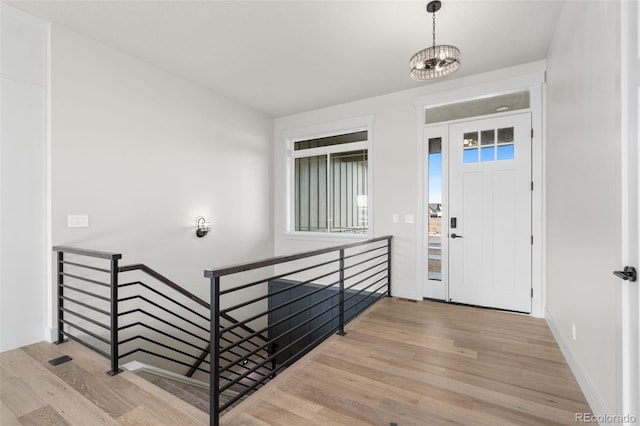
point(78, 392)
point(409, 363)
point(424, 363)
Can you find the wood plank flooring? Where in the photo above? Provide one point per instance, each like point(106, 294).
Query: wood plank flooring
point(78, 392)
point(402, 362)
point(424, 363)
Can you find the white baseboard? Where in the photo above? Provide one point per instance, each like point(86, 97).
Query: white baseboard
point(406, 293)
point(590, 392)
point(52, 334)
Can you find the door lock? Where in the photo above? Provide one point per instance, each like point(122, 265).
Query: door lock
point(628, 274)
point(454, 235)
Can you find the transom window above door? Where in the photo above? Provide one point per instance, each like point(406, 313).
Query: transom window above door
point(478, 107)
point(488, 145)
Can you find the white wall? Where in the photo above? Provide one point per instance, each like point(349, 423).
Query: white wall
point(22, 179)
point(582, 206)
point(394, 168)
point(143, 153)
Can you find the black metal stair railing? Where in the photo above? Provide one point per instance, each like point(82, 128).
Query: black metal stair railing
point(297, 301)
point(264, 317)
point(87, 284)
point(190, 325)
point(161, 321)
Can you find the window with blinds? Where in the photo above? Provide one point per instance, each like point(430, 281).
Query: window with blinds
point(331, 184)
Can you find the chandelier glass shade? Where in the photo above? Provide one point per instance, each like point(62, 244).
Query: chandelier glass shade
point(436, 61)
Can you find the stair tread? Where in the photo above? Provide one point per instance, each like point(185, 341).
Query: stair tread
point(199, 400)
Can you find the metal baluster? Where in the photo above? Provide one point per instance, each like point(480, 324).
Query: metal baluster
point(60, 295)
point(114, 317)
point(214, 377)
point(274, 364)
point(341, 296)
point(389, 267)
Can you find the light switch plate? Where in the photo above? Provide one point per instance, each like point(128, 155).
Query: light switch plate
point(395, 218)
point(78, 221)
point(408, 218)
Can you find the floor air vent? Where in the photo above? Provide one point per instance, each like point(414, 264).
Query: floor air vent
point(61, 360)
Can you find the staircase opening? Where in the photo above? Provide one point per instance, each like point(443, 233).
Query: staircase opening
point(262, 316)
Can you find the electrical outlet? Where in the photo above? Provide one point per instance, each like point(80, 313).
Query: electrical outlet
point(573, 330)
point(395, 218)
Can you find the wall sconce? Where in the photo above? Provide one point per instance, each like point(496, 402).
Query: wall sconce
point(202, 227)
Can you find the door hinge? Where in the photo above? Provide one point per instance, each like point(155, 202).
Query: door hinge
point(532, 240)
point(532, 293)
point(531, 133)
point(532, 186)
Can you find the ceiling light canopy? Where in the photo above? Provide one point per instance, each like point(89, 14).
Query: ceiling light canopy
point(436, 61)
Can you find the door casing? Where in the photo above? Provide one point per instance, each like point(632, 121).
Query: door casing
point(628, 293)
point(534, 83)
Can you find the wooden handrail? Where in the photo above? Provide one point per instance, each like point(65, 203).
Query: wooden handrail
point(144, 268)
point(228, 270)
point(86, 252)
point(164, 280)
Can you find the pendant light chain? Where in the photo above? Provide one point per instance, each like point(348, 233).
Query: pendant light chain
point(434, 29)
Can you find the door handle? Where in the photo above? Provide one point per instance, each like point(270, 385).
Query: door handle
point(628, 274)
point(454, 235)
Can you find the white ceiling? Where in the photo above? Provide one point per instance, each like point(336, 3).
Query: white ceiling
point(283, 57)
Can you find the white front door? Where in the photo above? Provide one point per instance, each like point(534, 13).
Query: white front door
point(489, 229)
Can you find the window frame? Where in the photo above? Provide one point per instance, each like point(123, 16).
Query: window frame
point(291, 136)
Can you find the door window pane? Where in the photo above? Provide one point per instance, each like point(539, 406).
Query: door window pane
point(488, 137)
point(470, 155)
point(487, 153)
point(505, 152)
point(435, 209)
point(490, 146)
point(505, 135)
point(470, 140)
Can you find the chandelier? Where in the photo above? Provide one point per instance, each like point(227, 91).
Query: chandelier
point(436, 61)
